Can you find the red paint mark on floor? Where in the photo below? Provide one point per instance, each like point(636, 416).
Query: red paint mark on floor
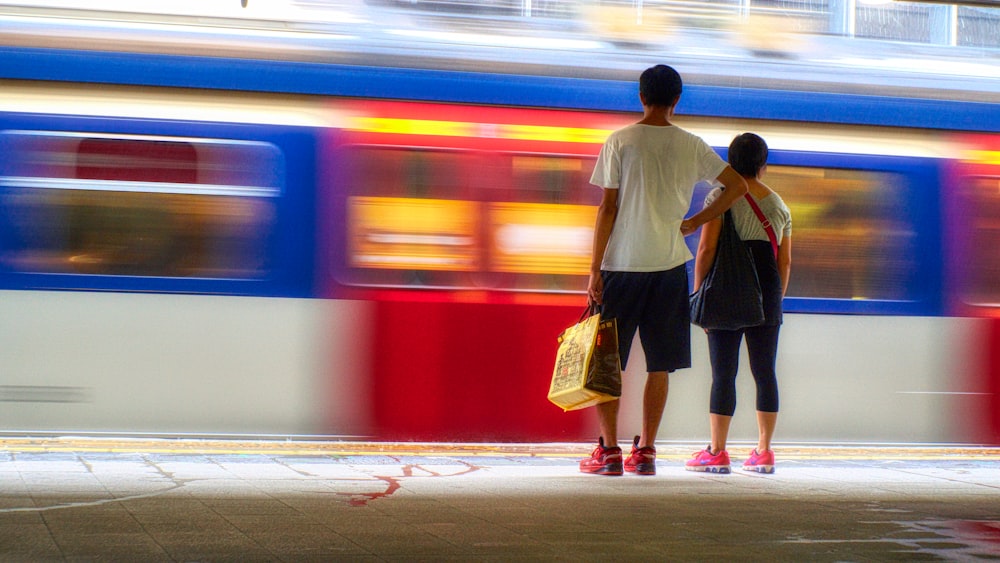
point(393, 484)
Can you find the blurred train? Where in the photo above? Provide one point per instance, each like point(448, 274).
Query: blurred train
point(197, 247)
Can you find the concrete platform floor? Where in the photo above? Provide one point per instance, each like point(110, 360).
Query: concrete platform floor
point(87, 499)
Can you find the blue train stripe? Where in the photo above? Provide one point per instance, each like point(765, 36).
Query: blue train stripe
point(468, 87)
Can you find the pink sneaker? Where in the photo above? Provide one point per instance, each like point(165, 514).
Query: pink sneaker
point(603, 461)
point(642, 461)
point(760, 462)
point(708, 462)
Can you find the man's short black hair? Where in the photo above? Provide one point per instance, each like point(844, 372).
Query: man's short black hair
point(748, 155)
point(660, 85)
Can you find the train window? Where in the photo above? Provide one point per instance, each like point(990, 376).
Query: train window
point(469, 219)
point(541, 223)
point(553, 179)
point(411, 218)
point(981, 215)
point(403, 172)
point(539, 246)
point(851, 240)
point(82, 203)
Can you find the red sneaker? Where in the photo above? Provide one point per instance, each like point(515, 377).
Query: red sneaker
point(603, 461)
point(706, 461)
point(761, 462)
point(642, 461)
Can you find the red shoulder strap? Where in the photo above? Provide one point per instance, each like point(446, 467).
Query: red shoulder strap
point(765, 222)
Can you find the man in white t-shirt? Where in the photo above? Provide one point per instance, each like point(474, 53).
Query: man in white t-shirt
point(648, 171)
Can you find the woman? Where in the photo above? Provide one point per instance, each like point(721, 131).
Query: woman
point(748, 156)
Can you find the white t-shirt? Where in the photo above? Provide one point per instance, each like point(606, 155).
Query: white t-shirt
point(654, 168)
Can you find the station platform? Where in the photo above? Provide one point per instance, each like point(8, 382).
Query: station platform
point(145, 499)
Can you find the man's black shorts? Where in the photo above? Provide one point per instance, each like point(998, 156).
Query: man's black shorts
point(655, 304)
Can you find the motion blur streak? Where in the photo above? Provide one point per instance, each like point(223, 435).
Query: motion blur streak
point(229, 221)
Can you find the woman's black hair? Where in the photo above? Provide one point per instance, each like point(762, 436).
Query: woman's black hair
point(748, 155)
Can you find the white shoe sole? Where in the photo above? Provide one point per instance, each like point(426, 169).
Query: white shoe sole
point(708, 468)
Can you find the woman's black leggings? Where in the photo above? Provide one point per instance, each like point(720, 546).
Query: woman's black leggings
point(724, 348)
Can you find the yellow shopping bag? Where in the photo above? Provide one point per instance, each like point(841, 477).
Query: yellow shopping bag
point(587, 370)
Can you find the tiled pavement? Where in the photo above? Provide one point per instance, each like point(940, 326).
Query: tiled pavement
point(76, 499)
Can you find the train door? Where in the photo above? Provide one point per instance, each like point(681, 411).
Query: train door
point(469, 229)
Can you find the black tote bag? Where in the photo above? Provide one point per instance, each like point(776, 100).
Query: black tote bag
point(729, 297)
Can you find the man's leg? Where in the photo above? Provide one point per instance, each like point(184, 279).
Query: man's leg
point(665, 334)
point(621, 294)
point(654, 399)
point(606, 459)
point(607, 415)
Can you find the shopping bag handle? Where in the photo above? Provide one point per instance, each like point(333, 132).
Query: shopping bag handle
point(591, 310)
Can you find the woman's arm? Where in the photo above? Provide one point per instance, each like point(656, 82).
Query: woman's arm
point(785, 262)
point(706, 250)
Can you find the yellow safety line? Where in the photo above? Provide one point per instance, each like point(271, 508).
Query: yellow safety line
point(349, 449)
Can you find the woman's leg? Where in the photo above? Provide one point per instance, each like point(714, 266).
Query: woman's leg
point(724, 351)
point(719, 423)
point(762, 346)
point(766, 421)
